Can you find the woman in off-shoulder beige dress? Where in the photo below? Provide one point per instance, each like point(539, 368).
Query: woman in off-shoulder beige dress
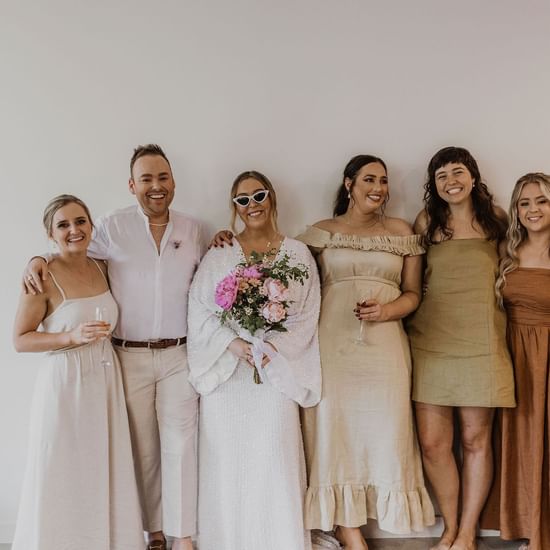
point(361, 449)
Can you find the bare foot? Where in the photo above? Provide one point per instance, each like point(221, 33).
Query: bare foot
point(182, 544)
point(463, 542)
point(446, 540)
point(351, 538)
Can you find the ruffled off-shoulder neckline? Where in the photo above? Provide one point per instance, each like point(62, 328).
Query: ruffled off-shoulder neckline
point(406, 245)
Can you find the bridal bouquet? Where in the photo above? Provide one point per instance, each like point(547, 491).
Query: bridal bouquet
point(255, 295)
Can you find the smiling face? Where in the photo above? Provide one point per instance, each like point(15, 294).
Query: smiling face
point(454, 183)
point(254, 216)
point(369, 189)
point(153, 185)
point(533, 208)
point(71, 229)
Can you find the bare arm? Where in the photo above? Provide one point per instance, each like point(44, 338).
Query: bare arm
point(411, 284)
point(31, 312)
point(35, 274)
point(421, 223)
point(406, 303)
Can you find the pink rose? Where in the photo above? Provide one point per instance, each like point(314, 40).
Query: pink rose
point(252, 272)
point(273, 312)
point(226, 291)
point(275, 290)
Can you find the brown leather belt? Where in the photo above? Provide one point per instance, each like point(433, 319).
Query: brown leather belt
point(150, 344)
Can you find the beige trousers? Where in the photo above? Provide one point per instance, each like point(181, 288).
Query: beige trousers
point(163, 415)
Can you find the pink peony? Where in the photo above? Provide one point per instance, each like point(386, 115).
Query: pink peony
point(226, 291)
point(252, 272)
point(273, 312)
point(275, 290)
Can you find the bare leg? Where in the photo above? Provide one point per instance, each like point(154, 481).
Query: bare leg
point(477, 471)
point(351, 538)
point(435, 433)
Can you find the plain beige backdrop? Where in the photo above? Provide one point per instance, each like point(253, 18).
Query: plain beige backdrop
point(288, 87)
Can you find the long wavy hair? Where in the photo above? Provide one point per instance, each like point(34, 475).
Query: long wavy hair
point(438, 210)
point(517, 234)
point(342, 200)
point(262, 180)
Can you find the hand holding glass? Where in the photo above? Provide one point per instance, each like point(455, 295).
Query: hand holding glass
point(102, 314)
point(366, 296)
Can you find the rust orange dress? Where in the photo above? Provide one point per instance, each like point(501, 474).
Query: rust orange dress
point(524, 480)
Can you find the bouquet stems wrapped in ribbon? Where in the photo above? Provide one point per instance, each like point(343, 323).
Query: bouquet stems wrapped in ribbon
point(255, 296)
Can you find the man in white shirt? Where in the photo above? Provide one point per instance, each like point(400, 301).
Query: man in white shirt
point(152, 253)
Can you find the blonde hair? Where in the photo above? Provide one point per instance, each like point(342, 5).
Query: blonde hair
point(263, 180)
point(59, 202)
point(516, 234)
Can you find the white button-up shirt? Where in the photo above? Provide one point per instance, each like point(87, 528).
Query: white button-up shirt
point(151, 288)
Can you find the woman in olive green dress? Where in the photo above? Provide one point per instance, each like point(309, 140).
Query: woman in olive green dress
point(460, 360)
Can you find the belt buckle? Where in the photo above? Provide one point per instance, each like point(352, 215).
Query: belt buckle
point(151, 343)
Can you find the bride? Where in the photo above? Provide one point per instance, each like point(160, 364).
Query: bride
point(251, 470)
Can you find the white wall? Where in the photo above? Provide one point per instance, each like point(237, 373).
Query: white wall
point(291, 88)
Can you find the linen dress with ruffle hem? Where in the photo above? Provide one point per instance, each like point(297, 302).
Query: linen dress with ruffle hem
point(519, 503)
point(361, 449)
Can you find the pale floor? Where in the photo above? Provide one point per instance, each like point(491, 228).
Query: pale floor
point(490, 543)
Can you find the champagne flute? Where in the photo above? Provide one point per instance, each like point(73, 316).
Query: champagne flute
point(102, 314)
point(366, 295)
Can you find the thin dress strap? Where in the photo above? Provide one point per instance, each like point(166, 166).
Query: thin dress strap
point(100, 270)
point(61, 291)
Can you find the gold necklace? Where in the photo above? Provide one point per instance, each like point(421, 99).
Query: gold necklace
point(158, 224)
point(269, 250)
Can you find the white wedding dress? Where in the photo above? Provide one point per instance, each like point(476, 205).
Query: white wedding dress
point(252, 476)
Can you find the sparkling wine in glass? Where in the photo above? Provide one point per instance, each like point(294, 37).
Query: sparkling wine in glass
point(365, 296)
point(102, 314)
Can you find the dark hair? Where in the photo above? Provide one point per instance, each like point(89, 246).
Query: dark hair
point(264, 180)
point(151, 149)
point(438, 210)
point(341, 203)
point(59, 202)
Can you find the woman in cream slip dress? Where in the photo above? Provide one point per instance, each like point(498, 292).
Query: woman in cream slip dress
point(361, 449)
point(79, 490)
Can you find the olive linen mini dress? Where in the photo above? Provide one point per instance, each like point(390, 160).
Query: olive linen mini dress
point(458, 333)
point(362, 454)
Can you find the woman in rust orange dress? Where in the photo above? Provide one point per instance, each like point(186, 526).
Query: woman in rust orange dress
point(524, 289)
